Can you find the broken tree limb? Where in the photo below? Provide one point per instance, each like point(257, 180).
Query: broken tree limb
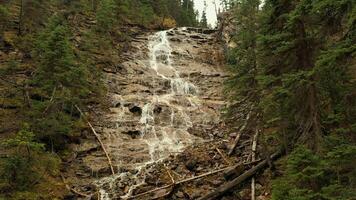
point(247, 174)
point(99, 140)
point(243, 127)
point(234, 171)
point(170, 176)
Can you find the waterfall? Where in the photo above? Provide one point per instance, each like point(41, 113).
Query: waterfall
point(162, 135)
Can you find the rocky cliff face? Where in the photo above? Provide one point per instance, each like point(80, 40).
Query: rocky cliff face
point(165, 96)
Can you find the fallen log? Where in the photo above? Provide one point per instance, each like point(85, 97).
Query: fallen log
point(99, 140)
point(236, 170)
point(249, 173)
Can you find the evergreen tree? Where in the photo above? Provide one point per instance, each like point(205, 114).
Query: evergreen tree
point(145, 13)
point(204, 21)
point(188, 16)
point(57, 66)
point(106, 15)
point(26, 165)
point(243, 59)
point(61, 83)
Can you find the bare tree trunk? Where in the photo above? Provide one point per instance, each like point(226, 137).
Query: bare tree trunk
point(254, 148)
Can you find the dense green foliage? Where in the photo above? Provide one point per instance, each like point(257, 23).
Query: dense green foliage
point(60, 82)
point(294, 61)
point(311, 176)
point(145, 12)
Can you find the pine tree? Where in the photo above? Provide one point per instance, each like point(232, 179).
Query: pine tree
point(27, 164)
point(188, 16)
point(61, 83)
point(57, 67)
point(243, 58)
point(203, 21)
point(146, 14)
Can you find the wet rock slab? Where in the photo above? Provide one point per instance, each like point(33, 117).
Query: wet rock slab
point(136, 89)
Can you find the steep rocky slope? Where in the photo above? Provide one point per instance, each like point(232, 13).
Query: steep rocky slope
point(165, 96)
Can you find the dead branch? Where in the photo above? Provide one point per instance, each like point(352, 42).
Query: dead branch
point(101, 143)
point(228, 186)
point(150, 191)
point(169, 191)
point(235, 143)
point(240, 133)
point(73, 190)
point(170, 176)
point(223, 157)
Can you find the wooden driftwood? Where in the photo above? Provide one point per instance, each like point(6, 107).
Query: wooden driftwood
point(247, 174)
point(99, 140)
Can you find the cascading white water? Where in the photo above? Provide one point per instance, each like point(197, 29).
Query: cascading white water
point(164, 136)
